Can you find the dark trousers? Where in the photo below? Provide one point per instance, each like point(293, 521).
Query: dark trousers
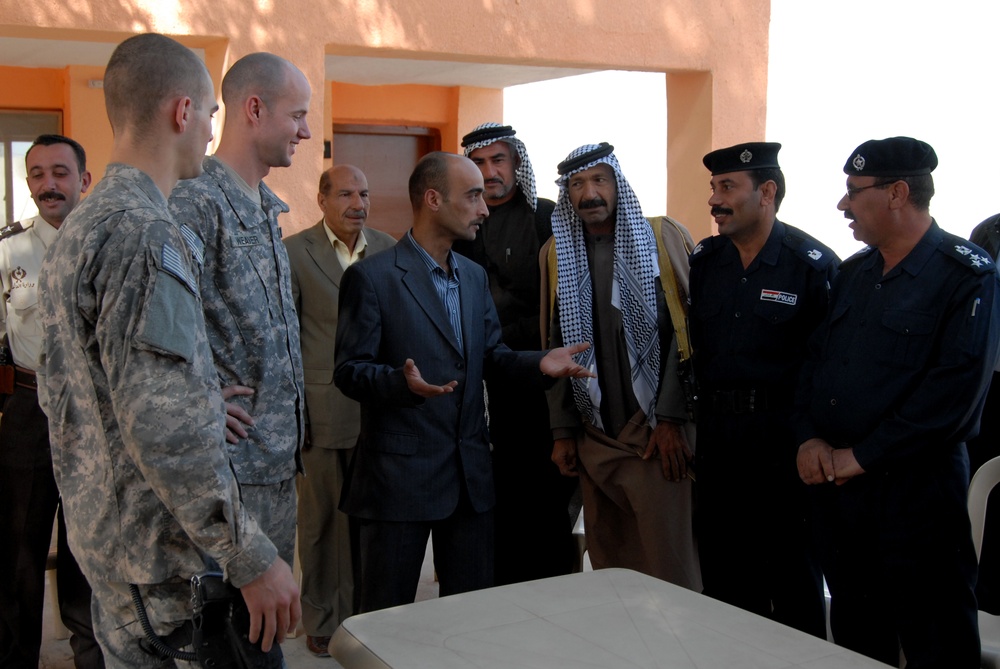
point(899, 561)
point(985, 446)
point(752, 521)
point(393, 552)
point(29, 500)
point(533, 529)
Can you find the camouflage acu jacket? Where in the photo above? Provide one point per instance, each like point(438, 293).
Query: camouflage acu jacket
point(135, 414)
point(250, 316)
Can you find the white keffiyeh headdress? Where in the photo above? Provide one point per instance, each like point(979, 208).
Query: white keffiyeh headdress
point(634, 284)
point(488, 133)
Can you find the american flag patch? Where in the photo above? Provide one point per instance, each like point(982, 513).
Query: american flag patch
point(197, 248)
point(174, 264)
point(778, 296)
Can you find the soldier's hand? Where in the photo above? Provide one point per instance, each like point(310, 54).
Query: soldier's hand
point(564, 456)
point(815, 462)
point(273, 601)
point(675, 453)
point(415, 382)
point(236, 416)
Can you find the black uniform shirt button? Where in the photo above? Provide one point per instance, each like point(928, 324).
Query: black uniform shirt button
point(833, 402)
point(743, 280)
point(878, 286)
point(737, 314)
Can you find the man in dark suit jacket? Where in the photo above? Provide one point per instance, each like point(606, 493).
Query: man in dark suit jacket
point(318, 256)
point(422, 464)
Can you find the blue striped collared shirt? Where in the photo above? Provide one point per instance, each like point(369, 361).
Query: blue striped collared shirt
point(447, 288)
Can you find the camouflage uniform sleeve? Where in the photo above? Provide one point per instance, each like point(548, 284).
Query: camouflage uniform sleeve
point(168, 405)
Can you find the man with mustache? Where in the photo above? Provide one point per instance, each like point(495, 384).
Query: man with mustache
point(893, 388)
point(417, 335)
point(246, 285)
point(328, 543)
point(758, 290)
point(533, 529)
point(609, 430)
point(57, 173)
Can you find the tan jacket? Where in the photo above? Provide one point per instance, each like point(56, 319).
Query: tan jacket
point(334, 420)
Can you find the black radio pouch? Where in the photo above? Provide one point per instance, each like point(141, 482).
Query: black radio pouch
point(222, 628)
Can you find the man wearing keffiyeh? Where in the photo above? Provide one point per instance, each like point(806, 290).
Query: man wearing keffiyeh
point(637, 507)
point(532, 498)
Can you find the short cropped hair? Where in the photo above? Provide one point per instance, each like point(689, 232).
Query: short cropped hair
point(759, 177)
point(921, 188)
point(50, 140)
point(431, 173)
point(144, 71)
point(263, 74)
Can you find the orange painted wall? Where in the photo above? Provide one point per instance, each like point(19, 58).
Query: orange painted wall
point(453, 110)
point(32, 88)
point(715, 56)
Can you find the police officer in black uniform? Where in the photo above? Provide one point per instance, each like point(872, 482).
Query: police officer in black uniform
point(893, 387)
point(758, 291)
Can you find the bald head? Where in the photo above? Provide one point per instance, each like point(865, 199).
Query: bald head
point(430, 173)
point(343, 198)
point(261, 74)
point(144, 72)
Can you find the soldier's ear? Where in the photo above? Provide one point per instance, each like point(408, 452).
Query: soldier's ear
point(183, 107)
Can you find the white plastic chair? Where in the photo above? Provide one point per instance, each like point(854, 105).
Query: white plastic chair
point(979, 492)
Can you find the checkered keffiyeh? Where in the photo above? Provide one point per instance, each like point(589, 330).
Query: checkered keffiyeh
point(524, 174)
point(633, 290)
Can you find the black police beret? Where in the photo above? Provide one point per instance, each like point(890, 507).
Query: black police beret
point(892, 157)
point(743, 157)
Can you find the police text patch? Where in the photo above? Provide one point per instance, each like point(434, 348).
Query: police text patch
point(778, 296)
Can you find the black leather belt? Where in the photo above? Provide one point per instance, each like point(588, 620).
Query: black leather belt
point(753, 400)
point(25, 378)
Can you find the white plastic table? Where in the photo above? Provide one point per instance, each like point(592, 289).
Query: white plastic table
point(614, 618)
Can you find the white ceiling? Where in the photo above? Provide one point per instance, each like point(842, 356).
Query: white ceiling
point(24, 52)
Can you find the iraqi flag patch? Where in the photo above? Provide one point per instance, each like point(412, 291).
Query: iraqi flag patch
point(778, 296)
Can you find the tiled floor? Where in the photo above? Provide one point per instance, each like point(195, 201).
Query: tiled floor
point(56, 653)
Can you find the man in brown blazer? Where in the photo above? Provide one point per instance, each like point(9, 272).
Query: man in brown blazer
point(319, 255)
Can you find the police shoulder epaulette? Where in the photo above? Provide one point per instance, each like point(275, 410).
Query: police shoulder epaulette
point(967, 254)
point(809, 250)
point(707, 247)
point(857, 257)
point(14, 228)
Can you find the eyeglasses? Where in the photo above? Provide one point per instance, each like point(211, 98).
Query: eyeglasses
point(851, 192)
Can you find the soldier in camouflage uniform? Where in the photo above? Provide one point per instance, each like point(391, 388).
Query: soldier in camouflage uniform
point(136, 415)
point(246, 285)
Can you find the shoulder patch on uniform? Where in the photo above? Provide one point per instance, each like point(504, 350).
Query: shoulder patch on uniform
point(857, 257)
point(193, 243)
point(814, 253)
point(173, 263)
point(707, 246)
point(14, 228)
point(968, 255)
